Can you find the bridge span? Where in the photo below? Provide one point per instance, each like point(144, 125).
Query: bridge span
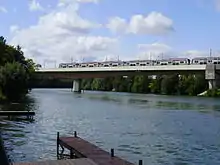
point(210, 70)
point(157, 68)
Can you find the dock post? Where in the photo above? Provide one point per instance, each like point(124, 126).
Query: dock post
point(112, 152)
point(75, 134)
point(71, 153)
point(58, 136)
point(140, 162)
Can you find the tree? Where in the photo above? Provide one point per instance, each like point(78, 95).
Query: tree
point(155, 85)
point(169, 85)
point(14, 80)
point(15, 71)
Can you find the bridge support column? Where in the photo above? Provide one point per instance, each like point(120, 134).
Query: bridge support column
point(77, 85)
point(212, 75)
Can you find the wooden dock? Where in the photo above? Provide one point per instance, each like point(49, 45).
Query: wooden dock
point(80, 148)
point(83, 161)
point(81, 152)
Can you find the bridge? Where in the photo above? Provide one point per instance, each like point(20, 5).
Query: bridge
point(211, 72)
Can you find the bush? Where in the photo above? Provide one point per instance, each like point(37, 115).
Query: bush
point(213, 93)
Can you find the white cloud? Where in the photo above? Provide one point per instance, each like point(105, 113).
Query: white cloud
point(88, 1)
point(3, 9)
point(155, 24)
point(154, 51)
point(162, 51)
point(195, 53)
point(63, 3)
point(61, 35)
point(35, 6)
point(117, 24)
point(14, 28)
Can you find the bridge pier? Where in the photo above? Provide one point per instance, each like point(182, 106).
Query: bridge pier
point(77, 86)
point(212, 75)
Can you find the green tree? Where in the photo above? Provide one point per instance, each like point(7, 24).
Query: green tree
point(15, 71)
point(13, 80)
point(155, 84)
point(170, 85)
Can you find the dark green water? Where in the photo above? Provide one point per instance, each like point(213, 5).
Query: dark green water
point(157, 129)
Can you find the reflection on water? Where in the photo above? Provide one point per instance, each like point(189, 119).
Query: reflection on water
point(25, 105)
point(157, 129)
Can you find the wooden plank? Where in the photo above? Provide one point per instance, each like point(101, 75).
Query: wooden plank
point(91, 151)
point(17, 113)
point(83, 161)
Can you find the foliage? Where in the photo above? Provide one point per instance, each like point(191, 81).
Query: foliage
point(15, 72)
point(166, 84)
point(213, 93)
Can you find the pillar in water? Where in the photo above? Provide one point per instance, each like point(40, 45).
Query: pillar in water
point(77, 86)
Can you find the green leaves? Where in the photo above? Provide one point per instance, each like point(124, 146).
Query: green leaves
point(166, 84)
point(15, 71)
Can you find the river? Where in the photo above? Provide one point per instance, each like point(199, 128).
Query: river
point(157, 129)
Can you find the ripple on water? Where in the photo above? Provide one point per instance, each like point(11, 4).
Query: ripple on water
point(158, 129)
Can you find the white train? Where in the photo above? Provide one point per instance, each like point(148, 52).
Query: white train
point(206, 60)
point(170, 61)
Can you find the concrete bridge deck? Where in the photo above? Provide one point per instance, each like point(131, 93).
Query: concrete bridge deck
point(128, 68)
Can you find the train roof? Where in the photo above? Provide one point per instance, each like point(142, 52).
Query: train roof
point(178, 58)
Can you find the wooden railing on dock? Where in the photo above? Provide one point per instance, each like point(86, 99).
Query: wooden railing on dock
point(80, 148)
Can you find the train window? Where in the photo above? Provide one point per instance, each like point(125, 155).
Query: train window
point(181, 62)
point(215, 62)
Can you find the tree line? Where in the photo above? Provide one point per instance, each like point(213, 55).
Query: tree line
point(162, 84)
point(15, 72)
point(189, 84)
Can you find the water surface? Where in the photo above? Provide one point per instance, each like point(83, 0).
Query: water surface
point(157, 129)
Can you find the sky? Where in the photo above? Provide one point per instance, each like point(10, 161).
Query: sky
point(54, 31)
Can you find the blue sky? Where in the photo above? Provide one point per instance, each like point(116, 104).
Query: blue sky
point(60, 30)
